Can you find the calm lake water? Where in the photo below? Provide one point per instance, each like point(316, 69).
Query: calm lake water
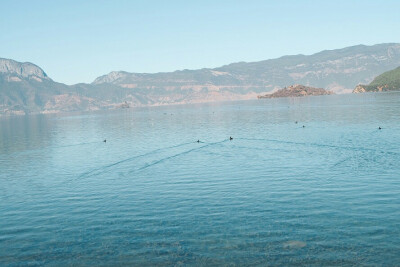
point(277, 194)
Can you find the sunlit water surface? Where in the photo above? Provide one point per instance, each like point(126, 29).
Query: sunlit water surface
point(277, 194)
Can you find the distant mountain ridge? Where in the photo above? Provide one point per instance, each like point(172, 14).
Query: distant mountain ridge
point(337, 70)
point(25, 88)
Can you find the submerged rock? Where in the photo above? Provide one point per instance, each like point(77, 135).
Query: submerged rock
point(294, 244)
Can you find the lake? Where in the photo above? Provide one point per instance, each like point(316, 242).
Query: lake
point(279, 193)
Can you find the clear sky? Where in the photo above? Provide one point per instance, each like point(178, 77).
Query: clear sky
point(77, 41)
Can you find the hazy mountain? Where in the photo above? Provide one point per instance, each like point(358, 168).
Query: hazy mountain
point(387, 81)
point(13, 70)
point(25, 88)
point(337, 70)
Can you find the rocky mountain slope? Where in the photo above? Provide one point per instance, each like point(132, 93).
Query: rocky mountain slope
point(387, 81)
point(25, 88)
point(297, 90)
point(12, 70)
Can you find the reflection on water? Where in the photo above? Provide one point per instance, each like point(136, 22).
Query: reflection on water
point(278, 193)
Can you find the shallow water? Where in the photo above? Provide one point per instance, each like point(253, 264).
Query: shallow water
point(277, 194)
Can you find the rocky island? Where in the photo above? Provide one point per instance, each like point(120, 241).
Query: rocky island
point(297, 90)
point(387, 81)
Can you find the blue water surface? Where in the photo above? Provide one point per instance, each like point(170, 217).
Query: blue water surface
point(277, 194)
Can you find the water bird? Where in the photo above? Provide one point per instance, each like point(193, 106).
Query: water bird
point(296, 122)
point(380, 128)
point(230, 138)
point(105, 140)
point(198, 141)
point(304, 126)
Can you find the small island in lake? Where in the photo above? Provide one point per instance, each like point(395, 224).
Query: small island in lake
point(297, 90)
point(387, 81)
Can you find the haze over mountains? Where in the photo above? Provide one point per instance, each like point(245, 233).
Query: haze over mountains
point(25, 87)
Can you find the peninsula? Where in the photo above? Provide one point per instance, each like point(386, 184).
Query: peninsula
point(387, 81)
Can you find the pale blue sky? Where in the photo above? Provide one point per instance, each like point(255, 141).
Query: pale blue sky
point(77, 41)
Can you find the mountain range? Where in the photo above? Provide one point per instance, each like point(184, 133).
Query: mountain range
point(25, 88)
